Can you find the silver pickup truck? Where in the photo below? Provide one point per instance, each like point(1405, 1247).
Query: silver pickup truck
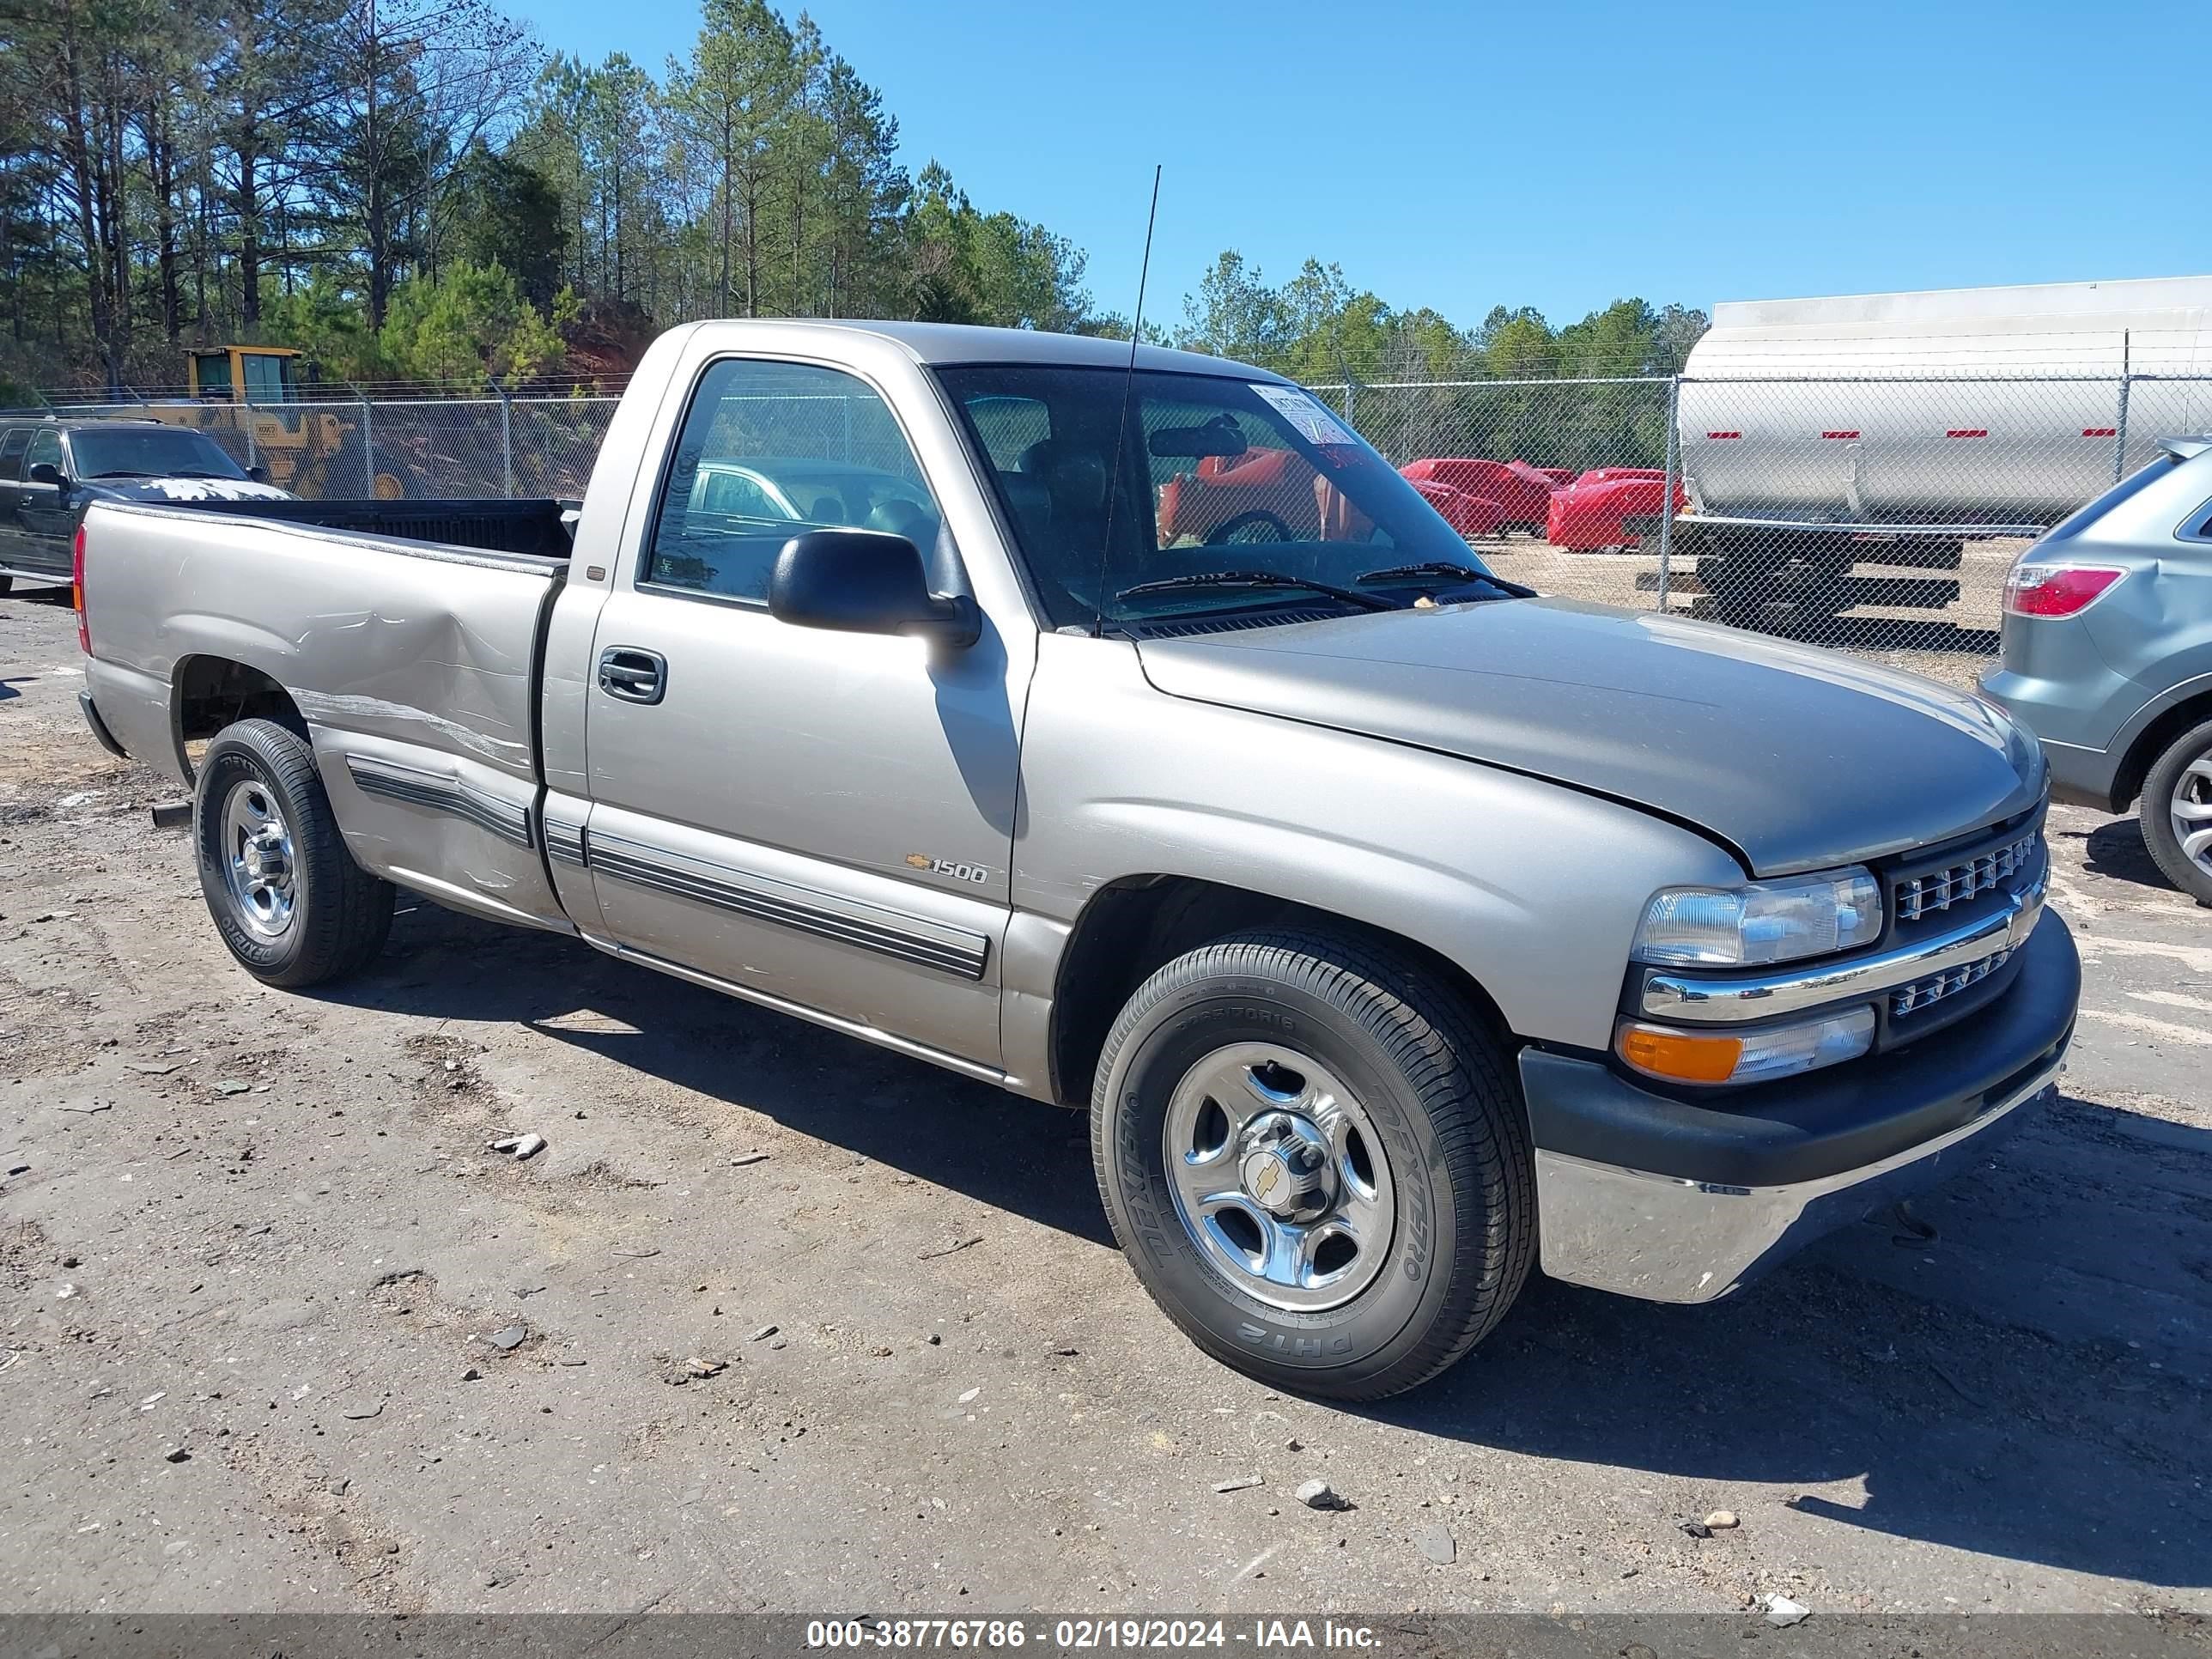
point(1123, 730)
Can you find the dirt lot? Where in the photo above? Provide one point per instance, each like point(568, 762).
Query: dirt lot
point(261, 1231)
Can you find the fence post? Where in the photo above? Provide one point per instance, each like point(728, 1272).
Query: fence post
point(2120, 425)
point(1667, 500)
point(506, 440)
point(368, 446)
point(252, 457)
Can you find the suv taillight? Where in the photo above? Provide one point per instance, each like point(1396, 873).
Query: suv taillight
point(76, 592)
point(2057, 590)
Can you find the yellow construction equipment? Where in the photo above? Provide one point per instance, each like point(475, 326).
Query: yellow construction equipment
point(268, 398)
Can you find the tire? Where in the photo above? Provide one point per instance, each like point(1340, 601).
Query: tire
point(1445, 1195)
point(7, 586)
point(258, 783)
point(2177, 802)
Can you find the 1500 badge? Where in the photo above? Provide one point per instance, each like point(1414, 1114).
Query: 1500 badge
point(975, 872)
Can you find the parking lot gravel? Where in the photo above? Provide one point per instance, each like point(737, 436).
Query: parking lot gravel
point(777, 1321)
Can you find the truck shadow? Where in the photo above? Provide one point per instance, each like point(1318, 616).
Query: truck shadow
point(2031, 1383)
point(1011, 1153)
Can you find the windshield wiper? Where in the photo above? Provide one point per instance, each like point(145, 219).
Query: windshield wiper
point(1444, 568)
point(1259, 579)
point(120, 472)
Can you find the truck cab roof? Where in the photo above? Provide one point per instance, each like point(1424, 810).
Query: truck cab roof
point(91, 423)
point(943, 343)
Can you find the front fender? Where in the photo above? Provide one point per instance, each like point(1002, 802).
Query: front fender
point(1533, 887)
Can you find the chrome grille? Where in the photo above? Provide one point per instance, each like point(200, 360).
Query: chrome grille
point(1911, 998)
point(1938, 889)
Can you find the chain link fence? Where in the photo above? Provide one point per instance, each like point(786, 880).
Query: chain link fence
point(1877, 514)
point(400, 448)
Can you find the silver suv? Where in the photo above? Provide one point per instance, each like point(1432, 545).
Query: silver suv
point(2108, 655)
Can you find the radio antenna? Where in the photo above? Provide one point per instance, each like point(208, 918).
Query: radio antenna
point(1129, 387)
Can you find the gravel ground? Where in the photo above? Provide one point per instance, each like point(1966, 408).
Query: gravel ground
point(779, 1321)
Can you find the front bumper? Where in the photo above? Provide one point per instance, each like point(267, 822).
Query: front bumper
point(1673, 1201)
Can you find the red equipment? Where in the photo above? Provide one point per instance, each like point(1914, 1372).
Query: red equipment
point(1523, 493)
point(1469, 515)
point(1593, 512)
point(1271, 481)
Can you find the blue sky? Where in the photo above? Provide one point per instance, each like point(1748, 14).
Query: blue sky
point(1464, 155)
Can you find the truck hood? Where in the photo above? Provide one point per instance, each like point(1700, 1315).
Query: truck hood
point(170, 491)
point(1797, 758)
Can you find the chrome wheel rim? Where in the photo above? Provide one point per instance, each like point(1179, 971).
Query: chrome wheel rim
point(1279, 1176)
point(257, 859)
point(2190, 812)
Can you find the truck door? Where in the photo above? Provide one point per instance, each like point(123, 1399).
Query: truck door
point(819, 818)
point(45, 512)
point(13, 440)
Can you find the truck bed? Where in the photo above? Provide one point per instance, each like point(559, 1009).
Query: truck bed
point(429, 645)
point(538, 527)
point(415, 666)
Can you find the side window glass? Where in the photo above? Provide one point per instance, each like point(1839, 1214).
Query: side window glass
point(44, 446)
point(11, 453)
point(1015, 433)
point(265, 379)
point(768, 451)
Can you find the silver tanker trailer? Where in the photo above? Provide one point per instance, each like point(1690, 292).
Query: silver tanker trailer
point(1894, 429)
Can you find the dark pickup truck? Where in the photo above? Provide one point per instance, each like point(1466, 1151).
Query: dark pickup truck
point(51, 471)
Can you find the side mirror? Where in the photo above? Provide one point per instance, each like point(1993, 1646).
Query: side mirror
point(46, 472)
point(258, 472)
point(865, 581)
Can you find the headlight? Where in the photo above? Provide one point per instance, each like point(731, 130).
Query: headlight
point(1761, 921)
point(1755, 1055)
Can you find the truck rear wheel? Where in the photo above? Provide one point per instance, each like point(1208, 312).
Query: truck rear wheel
point(2177, 812)
point(1317, 1163)
point(285, 895)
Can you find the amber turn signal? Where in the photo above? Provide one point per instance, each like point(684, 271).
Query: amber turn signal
point(1686, 1056)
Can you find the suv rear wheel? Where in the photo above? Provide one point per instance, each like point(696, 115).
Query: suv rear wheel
point(2177, 812)
point(1317, 1162)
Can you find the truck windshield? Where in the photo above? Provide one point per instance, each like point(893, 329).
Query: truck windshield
point(1218, 474)
point(150, 453)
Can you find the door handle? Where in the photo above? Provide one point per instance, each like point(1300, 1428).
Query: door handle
point(634, 676)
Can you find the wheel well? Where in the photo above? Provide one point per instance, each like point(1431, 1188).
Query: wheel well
point(1133, 927)
point(2144, 753)
point(213, 692)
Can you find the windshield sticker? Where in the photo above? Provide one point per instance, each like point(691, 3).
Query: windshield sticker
point(1305, 412)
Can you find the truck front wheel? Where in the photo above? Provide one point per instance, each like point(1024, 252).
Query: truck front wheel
point(285, 895)
point(1317, 1162)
